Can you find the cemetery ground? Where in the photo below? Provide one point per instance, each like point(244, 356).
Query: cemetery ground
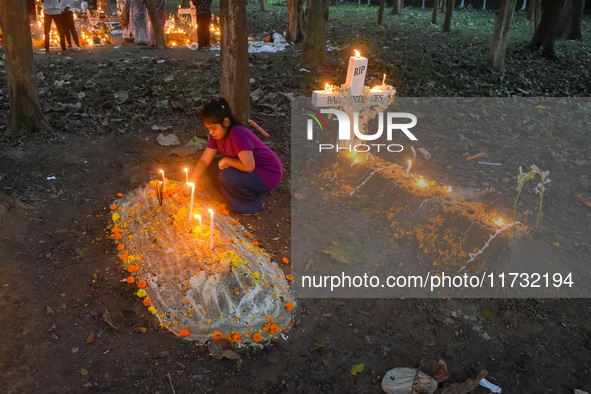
point(59, 273)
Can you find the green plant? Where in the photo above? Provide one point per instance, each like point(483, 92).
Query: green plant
point(539, 189)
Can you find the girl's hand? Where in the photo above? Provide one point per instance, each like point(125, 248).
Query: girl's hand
point(223, 163)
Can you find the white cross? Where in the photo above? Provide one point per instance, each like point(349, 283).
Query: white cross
point(355, 80)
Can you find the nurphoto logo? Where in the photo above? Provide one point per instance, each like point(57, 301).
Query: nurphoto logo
point(344, 134)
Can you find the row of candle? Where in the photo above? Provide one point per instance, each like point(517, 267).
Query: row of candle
point(196, 216)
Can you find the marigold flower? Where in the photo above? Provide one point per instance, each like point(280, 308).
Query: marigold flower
point(114, 207)
point(116, 217)
point(118, 236)
point(285, 260)
point(274, 329)
point(141, 293)
point(152, 310)
point(223, 206)
point(123, 256)
point(119, 194)
point(217, 335)
point(147, 302)
point(115, 230)
point(130, 280)
point(141, 284)
point(257, 337)
point(289, 277)
point(255, 243)
point(289, 307)
point(184, 333)
point(248, 235)
point(120, 246)
point(236, 337)
point(133, 268)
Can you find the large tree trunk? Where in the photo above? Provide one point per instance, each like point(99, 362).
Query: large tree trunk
point(295, 25)
point(262, 5)
point(234, 77)
point(157, 25)
point(381, 11)
point(396, 6)
point(449, 11)
point(314, 46)
point(435, 12)
point(545, 34)
point(498, 49)
point(25, 114)
point(534, 12)
point(569, 21)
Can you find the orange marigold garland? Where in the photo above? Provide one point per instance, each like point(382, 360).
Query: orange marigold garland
point(217, 335)
point(274, 329)
point(289, 307)
point(257, 337)
point(141, 284)
point(130, 280)
point(184, 333)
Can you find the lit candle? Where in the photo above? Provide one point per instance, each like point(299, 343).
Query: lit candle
point(187, 175)
point(163, 180)
point(409, 166)
point(384, 80)
point(327, 87)
point(356, 73)
point(200, 223)
point(211, 229)
point(192, 198)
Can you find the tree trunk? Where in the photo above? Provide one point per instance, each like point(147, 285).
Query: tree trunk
point(381, 11)
point(569, 21)
point(294, 31)
point(449, 11)
point(157, 25)
point(435, 12)
point(262, 5)
point(24, 115)
point(498, 49)
point(396, 6)
point(545, 33)
point(234, 76)
point(314, 46)
point(534, 12)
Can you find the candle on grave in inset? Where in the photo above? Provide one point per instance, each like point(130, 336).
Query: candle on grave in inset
point(409, 166)
point(198, 217)
point(192, 198)
point(211, 229)
point(356, 73)
point(163, 180)
point(187, 175)
point(384, 81)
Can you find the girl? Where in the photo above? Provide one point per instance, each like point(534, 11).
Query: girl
point(247, 167)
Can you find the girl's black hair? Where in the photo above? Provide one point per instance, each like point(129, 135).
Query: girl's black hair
point(216, 110)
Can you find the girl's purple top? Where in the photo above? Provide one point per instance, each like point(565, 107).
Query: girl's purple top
point(267, 164)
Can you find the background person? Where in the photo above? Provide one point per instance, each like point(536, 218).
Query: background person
point(53, 12)
point(68, 23)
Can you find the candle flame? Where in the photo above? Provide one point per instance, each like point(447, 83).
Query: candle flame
point(357, 54)
point(210, 211)
point(326, 87)
point(500, 222)
point(191, 184)
point(196, 216)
